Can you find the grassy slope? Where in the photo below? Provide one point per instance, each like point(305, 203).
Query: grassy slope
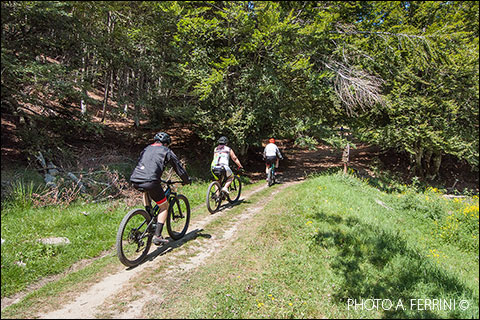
point(318, 244)
point(312, 248)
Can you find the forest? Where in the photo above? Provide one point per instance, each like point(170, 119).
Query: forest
point(401, 75)
point(85, 85)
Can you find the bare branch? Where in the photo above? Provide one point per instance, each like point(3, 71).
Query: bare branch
point(355, 88)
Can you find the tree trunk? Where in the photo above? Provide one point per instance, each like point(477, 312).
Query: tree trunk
point(437, 162)
point(125, 90)
point(243, 149)
point(137, 102)
point(112, 82)
point(105, 97)
point(83, 105)
point(109, 69)
point(417, 161)
point(427, 163)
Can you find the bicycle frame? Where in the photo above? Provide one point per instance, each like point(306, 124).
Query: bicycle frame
point(137, 228)
point(271, 174)
point(223, 178)
point(147, 201)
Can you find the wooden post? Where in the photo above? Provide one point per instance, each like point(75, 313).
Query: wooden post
point(346, 157)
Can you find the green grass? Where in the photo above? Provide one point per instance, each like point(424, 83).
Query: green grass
point(66, 287)
point(320, 245)
point(90, 228)
point(312, 250)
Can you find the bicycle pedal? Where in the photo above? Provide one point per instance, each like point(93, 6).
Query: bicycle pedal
point(160, 241)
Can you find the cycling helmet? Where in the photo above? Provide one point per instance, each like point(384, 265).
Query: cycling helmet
point(223, 140)
point(163, 138)
point(271, 140)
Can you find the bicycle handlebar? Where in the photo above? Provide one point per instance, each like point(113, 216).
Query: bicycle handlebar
point(239, 169)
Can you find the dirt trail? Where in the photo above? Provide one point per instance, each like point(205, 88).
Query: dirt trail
point(96, 301)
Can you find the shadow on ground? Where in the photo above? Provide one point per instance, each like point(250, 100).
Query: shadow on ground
point(172, 245)
point(375, 263)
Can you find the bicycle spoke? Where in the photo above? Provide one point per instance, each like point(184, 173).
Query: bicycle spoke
point(214, 198)
point(133, 238)
point(178, 217)
point(234, 189)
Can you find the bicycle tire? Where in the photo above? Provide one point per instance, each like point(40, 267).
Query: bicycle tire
point(178, 216)
point(132, 247)
point(214, 197)
point(270, 177)
point(234, 189)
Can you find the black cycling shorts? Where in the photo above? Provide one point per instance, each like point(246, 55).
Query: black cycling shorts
point(270, 159)
point(154, 189)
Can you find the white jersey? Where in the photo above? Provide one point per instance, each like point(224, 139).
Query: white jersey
point(221, 156)
point(271, 150)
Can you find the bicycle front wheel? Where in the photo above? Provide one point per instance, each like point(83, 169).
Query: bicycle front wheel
point(214, 197)
point(133, 238)
point(178, 216)
point(234, 189)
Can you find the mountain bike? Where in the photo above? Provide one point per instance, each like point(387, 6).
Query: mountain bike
point(271, 175)
point(215, 195)
point(135, 233)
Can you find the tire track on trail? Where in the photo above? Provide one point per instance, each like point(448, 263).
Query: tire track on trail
point(97, 300)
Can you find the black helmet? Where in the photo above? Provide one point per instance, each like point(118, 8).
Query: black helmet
point(163, 138)
point(223, 140)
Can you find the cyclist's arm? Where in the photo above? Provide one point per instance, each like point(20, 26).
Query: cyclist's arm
point(279, 154)
point(177, 166)
point(235, 159)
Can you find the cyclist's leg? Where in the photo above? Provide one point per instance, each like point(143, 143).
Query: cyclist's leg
point(156, 193)
point(229, 175)
point(147, 200)
point(269, 162)
point(217, 172)
point(214, 171)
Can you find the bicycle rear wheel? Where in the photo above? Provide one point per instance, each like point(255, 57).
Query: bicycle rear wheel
point(214, 197)
point(270, 176)
point(234, 189)
point(133, 238)
point(178, 216)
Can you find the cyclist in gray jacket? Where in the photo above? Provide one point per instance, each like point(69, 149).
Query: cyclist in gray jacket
point(147, 175)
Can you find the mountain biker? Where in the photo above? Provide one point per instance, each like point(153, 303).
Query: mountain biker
point(271, 154)
point(221, 156)
point(147, 175)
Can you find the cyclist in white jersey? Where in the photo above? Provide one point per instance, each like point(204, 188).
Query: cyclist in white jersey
point(221, 158)
point(271, 154)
